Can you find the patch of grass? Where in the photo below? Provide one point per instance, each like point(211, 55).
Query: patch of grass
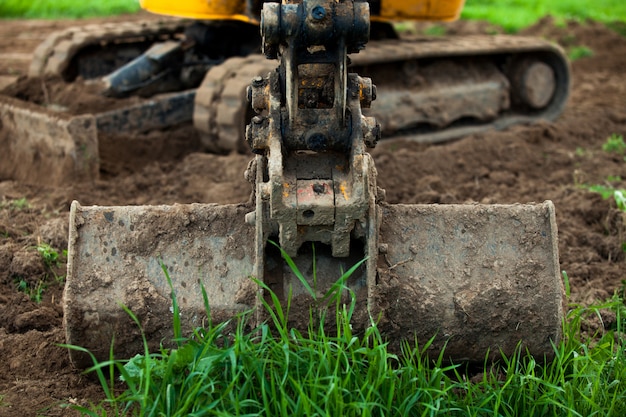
point(52, 260)
point(578, 52)
point(34, 292)
point(608, 191)
point(278, 371)
point(405, 27)
point(615, 144)
point(514, 15)
point(49, 255)
point(435, 30)
point(17, 204)
point(611, 189)
point(619, 27)
point(55, 9)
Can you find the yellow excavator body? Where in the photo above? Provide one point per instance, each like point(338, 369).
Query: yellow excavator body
point(441, 10)
point(200, 9)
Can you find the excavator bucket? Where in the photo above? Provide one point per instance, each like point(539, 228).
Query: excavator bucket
point(480, 279)
point(43, 146)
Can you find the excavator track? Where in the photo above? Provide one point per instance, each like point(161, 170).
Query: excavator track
point(535, 72)
point(221, 109)
point(430, 89)
point(61, 52)
point(435, 108)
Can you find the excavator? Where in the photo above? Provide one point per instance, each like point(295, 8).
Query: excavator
point(474, 280)
point(431, 89)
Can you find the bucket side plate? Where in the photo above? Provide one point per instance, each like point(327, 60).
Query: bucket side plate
point(481, 278)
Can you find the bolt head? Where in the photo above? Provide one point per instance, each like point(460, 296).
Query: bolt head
point(318, 12)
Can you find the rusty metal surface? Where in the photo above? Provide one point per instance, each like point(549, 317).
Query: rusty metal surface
point(315, 184)
point(478, 276)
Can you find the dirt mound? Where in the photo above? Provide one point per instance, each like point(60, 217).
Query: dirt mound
point(523, 164)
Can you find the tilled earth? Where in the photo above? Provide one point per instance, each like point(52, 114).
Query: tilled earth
point(547, 161)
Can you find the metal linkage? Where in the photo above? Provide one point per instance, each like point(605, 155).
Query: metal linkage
point(314, 180)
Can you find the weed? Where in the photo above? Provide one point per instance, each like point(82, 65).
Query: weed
point(578, 52)
point(18, 204)
point(50, 255)
point(52, 260)
point(22, 285)
point(34, 292)
point(618, 195)
point(568, 39)
point(566, 284)
point(435, 30)
point(620, 199)
point(405, 27)
point(615, 144)
point(21, 203)
point(492, 31)
point(619, 27)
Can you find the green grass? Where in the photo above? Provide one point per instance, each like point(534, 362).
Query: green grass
point(510, 14)
point(53, 261)
point(514, 15)
point(17, 204)
point(614, 144)
point(277, 371)
point(578, 52)
point(55, 9)
point(33, 291)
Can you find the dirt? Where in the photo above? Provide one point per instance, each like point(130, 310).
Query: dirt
point(547, 161)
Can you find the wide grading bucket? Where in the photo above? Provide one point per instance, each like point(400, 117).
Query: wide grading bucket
point(480, 278)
